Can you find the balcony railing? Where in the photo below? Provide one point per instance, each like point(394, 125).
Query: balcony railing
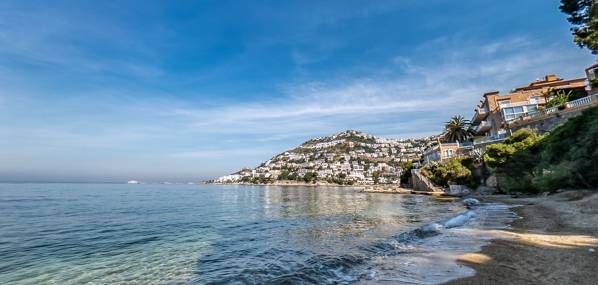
point(580, 102)
point(549, 110)
point(571, 104)
point(491, 139)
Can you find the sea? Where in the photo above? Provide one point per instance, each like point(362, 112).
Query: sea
point(232, 234)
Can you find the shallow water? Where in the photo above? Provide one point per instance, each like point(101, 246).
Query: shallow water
point(214, 234)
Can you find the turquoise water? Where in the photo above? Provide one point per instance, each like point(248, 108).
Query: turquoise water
point(200, 234)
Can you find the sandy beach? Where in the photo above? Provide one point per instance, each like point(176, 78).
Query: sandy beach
point(554, 242)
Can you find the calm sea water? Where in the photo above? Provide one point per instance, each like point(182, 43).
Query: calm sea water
point(203, 234)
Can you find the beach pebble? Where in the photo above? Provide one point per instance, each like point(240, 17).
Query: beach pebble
point(470, 202)
point(591, 250)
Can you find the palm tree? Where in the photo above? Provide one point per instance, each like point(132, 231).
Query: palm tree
point(457, 129)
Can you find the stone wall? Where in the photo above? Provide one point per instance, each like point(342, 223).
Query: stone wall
point(422, 183)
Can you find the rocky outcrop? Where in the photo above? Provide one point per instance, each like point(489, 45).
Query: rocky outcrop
point(459, 190)
point(422, 183)
point(492, 181)
point(485, 190)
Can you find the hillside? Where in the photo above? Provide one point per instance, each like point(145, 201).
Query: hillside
point(346, 158)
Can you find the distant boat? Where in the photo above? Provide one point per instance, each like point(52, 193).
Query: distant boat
point(133, 182)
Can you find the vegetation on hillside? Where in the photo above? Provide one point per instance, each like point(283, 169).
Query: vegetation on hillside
point(452, 170)
point(513, 160)
point(406, 175)
point(565, 158)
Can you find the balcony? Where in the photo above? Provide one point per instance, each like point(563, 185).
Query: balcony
point(490, 140)
point(482, 127)
point(580, 102)
point(542, 114)
point(584, 102)
point(479, 115)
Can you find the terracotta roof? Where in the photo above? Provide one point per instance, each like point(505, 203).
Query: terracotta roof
point(560, 82)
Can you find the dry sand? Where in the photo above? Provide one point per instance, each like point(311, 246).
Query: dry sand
point(555, 242)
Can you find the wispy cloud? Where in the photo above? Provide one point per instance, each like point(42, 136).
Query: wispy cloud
point(433, 89)
point(454, 82)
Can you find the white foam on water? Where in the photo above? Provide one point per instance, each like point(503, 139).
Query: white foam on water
point(432, 260)
point(459, 220)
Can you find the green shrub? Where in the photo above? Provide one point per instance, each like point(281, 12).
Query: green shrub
point(573, 147)
point(310, 177)
point(559, 99)
point(524, 140)
point(565, 158)
point(407, 167)
point(554, 177)
point(450, 170)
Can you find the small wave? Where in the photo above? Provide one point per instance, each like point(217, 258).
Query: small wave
point(394, 245)
point(427, 254)
point(410, 256)
point(319, 269)
point(459, 220)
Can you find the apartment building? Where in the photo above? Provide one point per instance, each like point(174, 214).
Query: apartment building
point(496, 110)
point(442, 151)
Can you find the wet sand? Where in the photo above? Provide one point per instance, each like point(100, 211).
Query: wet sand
point(554, 242)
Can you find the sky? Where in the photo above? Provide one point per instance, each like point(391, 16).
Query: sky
point(178, 91)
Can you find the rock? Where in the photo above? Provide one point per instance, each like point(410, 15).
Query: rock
point(470, 202)
point(492, 181)
point(485, 190)
point(459, 190)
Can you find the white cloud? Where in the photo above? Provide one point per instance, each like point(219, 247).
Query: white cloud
point(441, 86)
point(413, 100)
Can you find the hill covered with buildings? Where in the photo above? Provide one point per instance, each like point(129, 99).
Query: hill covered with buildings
point(346, 158)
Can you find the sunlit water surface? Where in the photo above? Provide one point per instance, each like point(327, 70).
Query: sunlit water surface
point(213, 234)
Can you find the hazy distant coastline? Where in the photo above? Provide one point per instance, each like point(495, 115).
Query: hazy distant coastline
point(284, 183)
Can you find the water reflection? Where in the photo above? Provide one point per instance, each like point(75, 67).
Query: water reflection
point(174, 234)
point(274, 231)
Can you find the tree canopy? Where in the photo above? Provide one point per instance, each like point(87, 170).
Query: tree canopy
point(583, 16)
point(457, 129)
point(565, 158)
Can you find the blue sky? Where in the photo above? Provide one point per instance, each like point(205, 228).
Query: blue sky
point(187, 90)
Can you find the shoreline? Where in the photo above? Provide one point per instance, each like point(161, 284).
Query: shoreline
point(555, 241)
point(317, 184)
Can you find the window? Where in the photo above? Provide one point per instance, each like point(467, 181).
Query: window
point(532, 108)
point(512, 113)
